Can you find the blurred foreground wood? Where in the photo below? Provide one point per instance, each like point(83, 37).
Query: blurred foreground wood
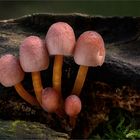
point(28, 130)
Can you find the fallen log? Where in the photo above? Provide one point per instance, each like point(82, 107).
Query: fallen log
point(121, 69)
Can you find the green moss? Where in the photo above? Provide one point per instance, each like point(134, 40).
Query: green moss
point(28, 130)
point(18, 128)
point(120, 126)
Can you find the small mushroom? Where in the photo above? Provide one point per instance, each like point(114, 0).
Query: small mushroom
point(50, 100)
point(72, 108)
point(89, 51)
point(34, 58)
point(11, 74)
point(60, 40)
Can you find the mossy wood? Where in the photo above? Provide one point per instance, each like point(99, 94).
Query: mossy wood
point(105, 86)
point(28, 130)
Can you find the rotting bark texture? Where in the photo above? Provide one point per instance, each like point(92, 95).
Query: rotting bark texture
point(115, 84)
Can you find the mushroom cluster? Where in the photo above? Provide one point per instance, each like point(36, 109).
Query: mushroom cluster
point(34, 53)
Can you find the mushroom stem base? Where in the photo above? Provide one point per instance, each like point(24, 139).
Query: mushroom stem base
point(60, 112)
point(25, 95)
point(73, 121)
point(37, 84)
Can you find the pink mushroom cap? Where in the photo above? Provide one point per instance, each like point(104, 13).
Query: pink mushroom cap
point(50, 100)
point(33, 54)
point(10, 71)
point(89, 50)
point(60, 39)
point(73, 105)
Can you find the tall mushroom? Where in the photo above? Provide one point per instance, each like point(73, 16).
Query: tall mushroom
point(11, 74)
point(34, 58)
point(89, 51)
point(60, 40)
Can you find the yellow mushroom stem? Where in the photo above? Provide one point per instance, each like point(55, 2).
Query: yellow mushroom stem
point(25, 95)
point(80, 79)
point(78, 85)
point(37, 84)
point(57, 73)
point(56, 80)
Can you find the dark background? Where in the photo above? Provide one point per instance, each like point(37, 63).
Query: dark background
point(13, 9)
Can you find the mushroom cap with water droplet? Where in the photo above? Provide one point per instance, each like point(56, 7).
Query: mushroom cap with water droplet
point(89, 50)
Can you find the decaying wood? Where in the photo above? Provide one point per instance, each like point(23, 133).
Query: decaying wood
point(115, 84)
point(28, 130)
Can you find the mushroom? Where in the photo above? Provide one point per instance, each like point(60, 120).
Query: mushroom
point(50, 100)
point(34, 58)
point(11, 74)
point(60, 40)
point(72, 108)
point(89, 51)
